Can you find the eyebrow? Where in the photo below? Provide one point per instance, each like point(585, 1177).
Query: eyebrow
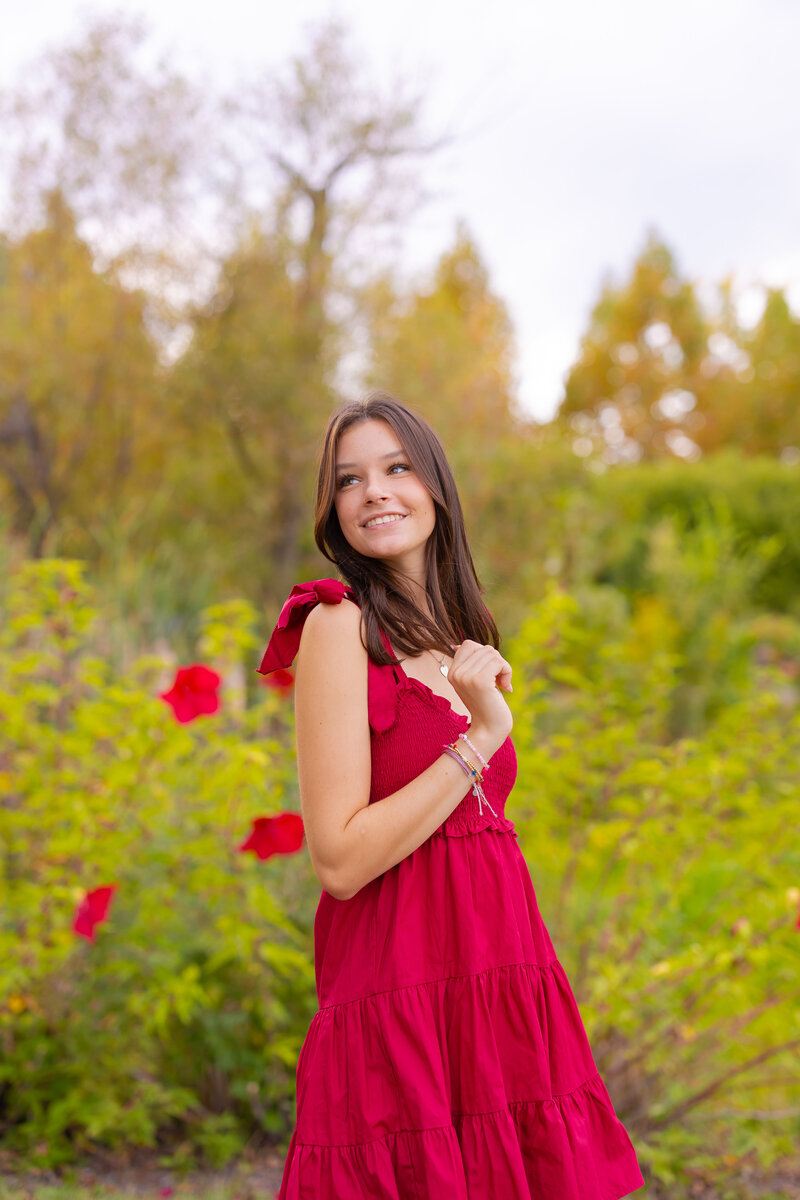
point(391, 454)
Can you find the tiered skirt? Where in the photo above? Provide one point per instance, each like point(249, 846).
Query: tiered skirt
point(448, 1058)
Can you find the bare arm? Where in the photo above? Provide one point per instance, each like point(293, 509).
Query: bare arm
point(351, 841)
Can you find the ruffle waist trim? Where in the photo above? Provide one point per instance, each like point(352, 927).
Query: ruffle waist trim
point(464, 824)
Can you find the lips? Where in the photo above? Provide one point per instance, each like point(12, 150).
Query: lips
point(397, 518)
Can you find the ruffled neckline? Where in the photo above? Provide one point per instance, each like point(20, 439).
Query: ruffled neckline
point(435, 698)
point(466, 818)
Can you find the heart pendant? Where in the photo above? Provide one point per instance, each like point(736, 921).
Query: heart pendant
point(444, 669)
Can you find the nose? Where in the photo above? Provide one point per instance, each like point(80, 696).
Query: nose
point(375, 489)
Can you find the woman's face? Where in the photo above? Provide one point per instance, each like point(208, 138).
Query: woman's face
point(374, 477)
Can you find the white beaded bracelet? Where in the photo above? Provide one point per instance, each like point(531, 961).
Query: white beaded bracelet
point(475, 748)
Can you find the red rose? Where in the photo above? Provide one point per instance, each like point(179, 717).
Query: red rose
point(194, 692)
point(92, 910)
point(282, 834)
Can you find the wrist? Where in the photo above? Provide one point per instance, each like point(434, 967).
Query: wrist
point(483, 740)
point(475, 751)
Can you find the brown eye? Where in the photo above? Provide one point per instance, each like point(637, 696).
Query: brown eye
point(342, 480)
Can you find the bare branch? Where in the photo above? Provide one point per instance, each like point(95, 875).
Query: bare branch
point(679, 1111)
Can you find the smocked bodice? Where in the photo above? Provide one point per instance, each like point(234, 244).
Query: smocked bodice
point(409, 722)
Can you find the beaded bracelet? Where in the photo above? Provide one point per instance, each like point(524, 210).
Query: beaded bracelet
point(475, 748)
point(473, 771)
point(455, 755)
point(468, 766)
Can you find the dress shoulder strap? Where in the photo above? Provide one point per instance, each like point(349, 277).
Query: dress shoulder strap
point(284, 643)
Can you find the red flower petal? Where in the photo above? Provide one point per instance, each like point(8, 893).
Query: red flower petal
point(282, 834)
point(92, 910)
point(281, 680)
point(193, 693)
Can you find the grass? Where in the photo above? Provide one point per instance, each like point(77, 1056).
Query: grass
point(242, 1182)
point(28, 1190)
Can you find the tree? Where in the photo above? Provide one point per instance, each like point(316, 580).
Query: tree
point(330, 153)
point(638, 389)
point(244, 429)
point(448, 350)
point(758, 406)
point(131, 146)
point(270, 310)
point(77, 382)
point(659, 377)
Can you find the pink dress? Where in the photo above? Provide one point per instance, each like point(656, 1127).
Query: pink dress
point(448, 1058)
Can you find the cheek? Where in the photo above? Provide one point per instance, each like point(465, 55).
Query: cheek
point(427, 504)
point(346, 511)
point(421, 498)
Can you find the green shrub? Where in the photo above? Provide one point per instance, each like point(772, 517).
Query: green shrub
point(758, 498)
point(190, 1006)
point(668, 876)
point(663, 864)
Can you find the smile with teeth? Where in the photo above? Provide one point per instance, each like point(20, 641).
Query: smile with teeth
point(389, 520)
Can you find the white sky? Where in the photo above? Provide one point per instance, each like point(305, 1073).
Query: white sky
point(583, 124)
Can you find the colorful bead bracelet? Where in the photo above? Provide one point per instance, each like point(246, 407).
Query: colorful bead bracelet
point(470, 770)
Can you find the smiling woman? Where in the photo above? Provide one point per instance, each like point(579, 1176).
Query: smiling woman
point(383, 507)
point(447, 1056)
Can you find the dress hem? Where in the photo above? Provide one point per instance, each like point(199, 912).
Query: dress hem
point(605, 1168)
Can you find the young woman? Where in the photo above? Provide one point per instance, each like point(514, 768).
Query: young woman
point(448, 1058)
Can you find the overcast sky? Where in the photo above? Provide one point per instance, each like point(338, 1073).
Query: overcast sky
point(582, 124)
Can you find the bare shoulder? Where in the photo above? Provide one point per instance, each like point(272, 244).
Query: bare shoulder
point(330, 620)
point(331, 637)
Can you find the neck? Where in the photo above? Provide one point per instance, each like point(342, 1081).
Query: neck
point(417, 592)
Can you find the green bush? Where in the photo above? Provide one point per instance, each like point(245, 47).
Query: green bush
point(181, 1023)
point(758, 499)
point(668, 877)
point(663, 865)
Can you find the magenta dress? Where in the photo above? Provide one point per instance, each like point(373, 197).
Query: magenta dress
point(448, 1058)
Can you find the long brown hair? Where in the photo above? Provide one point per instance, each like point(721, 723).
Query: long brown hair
point(451, 582)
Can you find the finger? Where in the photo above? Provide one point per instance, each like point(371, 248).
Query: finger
point(502, 670)
point(465, 651)
point(476, 660)
point(500, 665)
point(477, 656)
point(504, 677)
